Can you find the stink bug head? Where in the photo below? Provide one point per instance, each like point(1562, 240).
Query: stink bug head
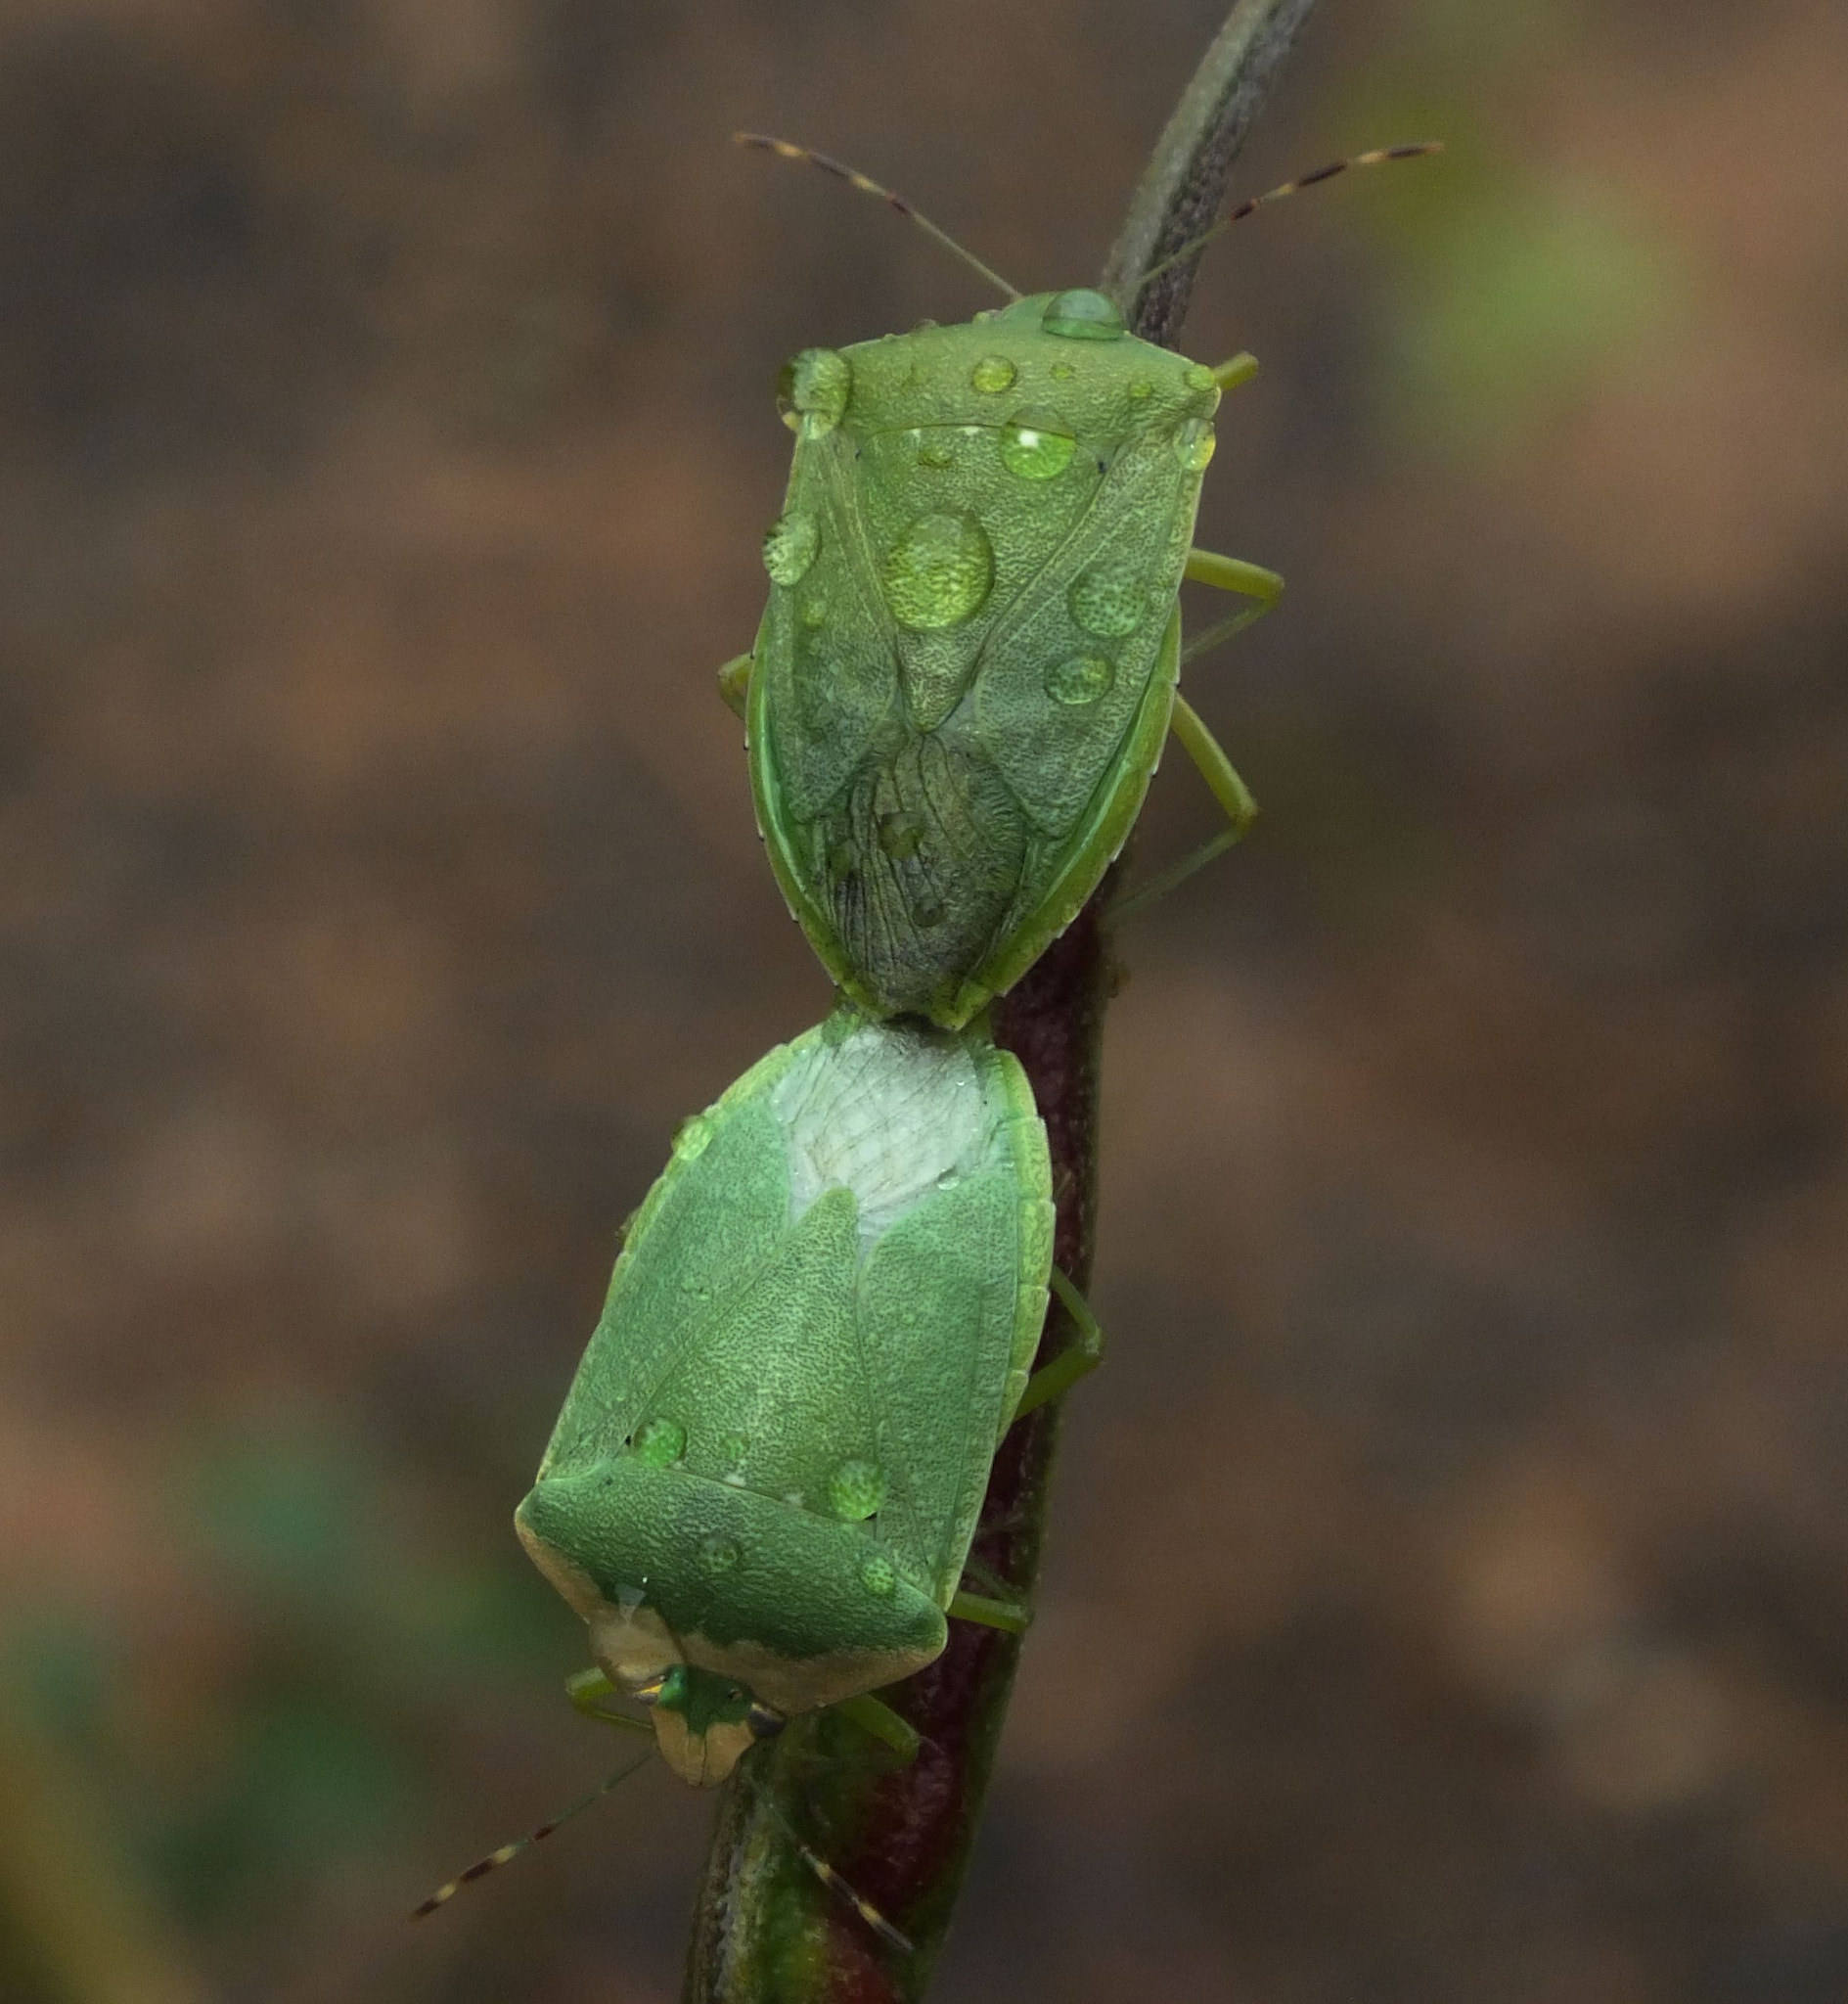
point(704, 1723)
point(722, 1608)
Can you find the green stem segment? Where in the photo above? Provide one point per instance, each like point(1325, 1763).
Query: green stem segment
point(767, 1931)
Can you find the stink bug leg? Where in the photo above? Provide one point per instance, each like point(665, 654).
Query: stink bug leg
point(1077, 1360)
point(734, 683)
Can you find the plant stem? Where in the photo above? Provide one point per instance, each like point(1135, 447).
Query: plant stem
point(766, 1930)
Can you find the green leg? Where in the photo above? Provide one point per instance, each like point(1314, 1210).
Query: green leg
point(880, 1722)
point(1232, 574)
point(1241, 369)
point(1229, 573)
point(1075, 1361)
point(587, 1687)
point(1007, 1615)
point(1227, 788)
point(734, 683)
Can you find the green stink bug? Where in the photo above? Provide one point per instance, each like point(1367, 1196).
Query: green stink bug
point(968, 663)
point(762, 1487)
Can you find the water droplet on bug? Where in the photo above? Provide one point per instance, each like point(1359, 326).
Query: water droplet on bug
point(813, 392)
point(855, 1490)
point(879, 1576)
point(813, 612)
point(790, 546)
point(660, 1442)
point(717, 1554)
point(901, 836)
point(1035, 448)
point(1083, 315)
point(1062, 372)
point(949, 1179)
point(1199, 376)
point(1193, 446)
point(1080, 680)
point(691, 1137)
point(1109, 601)
point(939, 571)
point(928, 914)
point(1141, 389)
point(936, 450)
point(992, 373)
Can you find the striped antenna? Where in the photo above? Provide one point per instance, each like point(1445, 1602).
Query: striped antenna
point(836, 1885)
point(786, 151)
point(1378, 158)
point(509, 1851)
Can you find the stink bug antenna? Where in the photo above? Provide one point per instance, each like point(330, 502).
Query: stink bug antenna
point(785, 150)
point(1378, 158)
point(835, 1882)
point(509, 1851)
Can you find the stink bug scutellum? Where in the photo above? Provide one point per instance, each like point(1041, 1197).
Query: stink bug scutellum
point(968, 663)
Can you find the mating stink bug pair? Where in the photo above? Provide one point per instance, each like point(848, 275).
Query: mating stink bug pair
point(761, 1491)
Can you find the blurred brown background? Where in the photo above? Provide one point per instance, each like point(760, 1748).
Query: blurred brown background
point(1447, 1600)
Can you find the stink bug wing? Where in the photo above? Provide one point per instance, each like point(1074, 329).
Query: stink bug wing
point(1067, 670)
point(769, 1394)
point(714, 1217)
point(937, 1306)
point(950, 1305)
point(826, 649)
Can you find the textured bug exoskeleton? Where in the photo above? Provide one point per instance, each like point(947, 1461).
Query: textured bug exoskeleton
point(762, 1490)
point(967, 666)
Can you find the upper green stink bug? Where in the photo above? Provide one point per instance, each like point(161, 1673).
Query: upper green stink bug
point(968, 663)
point(762, 1487)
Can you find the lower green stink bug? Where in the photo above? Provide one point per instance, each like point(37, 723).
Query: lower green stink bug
point(968, 663)
point(762, 1490)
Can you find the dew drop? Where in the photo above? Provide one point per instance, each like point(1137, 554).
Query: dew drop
point(928, 914)
point(1062, 372)
point(813, 612)
point(1080, 680)
point(1083, 315)
point(879, 1576)
point(813, 392)
point(1107, 600)
point(1199, 376)
point(790, 546)
point(939, 571)
point(717, 1554)
point(660, 1442)
point(1034, 449)
point(691, 1137)
point(936, 450)
point(901, 836)
point(1193, 446)
point(855, 1490)
point(1142, 390)
point(992, 373)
